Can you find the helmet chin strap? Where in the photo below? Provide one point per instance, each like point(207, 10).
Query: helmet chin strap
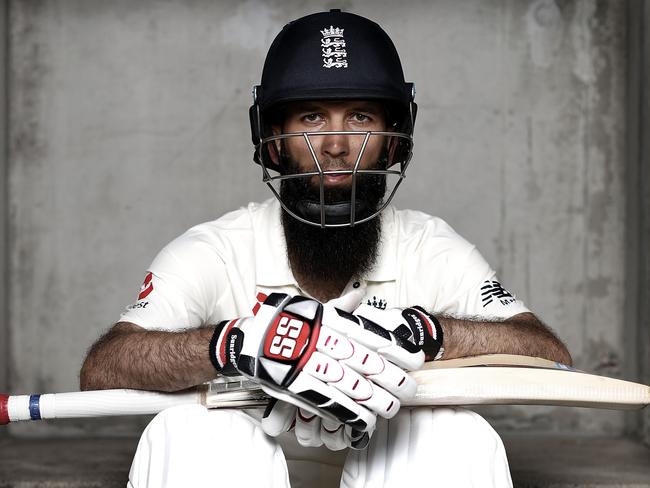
point(335, 213)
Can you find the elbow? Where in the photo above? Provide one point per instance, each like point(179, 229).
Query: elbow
point(552, 346)
point(87, 380)
point(95, 373)
point(555, 350)
point(565, 356)
point(92, 375)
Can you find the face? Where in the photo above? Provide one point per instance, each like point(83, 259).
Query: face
point(311, 249)
point(333, 151)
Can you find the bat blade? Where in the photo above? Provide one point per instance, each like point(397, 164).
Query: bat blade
point(526, 386)
point(509, 379)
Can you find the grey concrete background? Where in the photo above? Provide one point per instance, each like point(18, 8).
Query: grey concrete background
point(568, 462)
point(643, 158)
point(4, 276)
point(128, 124)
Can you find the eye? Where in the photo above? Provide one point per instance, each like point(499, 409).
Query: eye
point(315, 117)
point(360, 118)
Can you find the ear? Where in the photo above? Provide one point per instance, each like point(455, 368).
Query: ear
point(274, 147)
point(393, 143)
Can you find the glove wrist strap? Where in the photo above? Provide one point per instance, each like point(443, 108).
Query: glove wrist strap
point(219, 351)
point(439, 337)
point(433, 345)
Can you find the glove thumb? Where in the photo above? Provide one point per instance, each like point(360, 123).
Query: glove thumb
point(350, 301)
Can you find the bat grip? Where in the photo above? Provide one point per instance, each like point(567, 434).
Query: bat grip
point(4, 409)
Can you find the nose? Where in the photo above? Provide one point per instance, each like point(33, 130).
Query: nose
point(335, 146)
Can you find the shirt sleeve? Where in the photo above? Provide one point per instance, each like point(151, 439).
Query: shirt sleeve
point(479, 293)
point(466, 284)
point(181, 286)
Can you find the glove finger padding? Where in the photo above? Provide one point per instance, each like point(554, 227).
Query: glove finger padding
point(357, 439)
point(326, 401)
point(395, 380)
point(352, 384)
point(387, 344)
point(378, 354)
point(350, 301)
point(307, 429)
point(312, 431)
point(278, 417)
point(332, 434)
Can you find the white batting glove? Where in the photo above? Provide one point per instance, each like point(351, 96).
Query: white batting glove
point(311, 430)
point(413, 324)
point(294, 349)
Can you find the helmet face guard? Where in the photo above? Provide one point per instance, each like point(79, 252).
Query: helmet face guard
point(356, 60)
point(351, 209)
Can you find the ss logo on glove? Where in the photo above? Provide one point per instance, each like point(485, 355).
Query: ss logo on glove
point(290, 338)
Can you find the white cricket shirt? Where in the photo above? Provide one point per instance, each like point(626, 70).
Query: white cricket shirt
point(215, 270)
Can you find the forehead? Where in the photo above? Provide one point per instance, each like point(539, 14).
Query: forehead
point(335, 105)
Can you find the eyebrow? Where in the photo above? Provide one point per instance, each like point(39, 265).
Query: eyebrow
point(369, 107)
point(361, 106)
point(305, 107)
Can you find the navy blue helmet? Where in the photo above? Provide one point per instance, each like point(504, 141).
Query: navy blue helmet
point(333, 56)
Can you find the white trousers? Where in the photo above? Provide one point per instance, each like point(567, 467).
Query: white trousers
point(191, 446)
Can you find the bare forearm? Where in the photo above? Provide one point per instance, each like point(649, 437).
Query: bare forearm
point(522, 334)
point(131, 357)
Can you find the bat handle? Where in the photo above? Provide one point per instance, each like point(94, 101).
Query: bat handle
point(4, 409)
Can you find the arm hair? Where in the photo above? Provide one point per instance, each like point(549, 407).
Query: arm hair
point(522, 334)
point(129, 356)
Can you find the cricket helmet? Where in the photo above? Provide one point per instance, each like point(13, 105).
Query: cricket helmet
point(333, 55)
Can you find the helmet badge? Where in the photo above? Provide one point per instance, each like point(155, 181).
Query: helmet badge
point(333, 48)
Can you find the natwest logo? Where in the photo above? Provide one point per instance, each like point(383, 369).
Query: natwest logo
point(147, 287)
point(287, 337)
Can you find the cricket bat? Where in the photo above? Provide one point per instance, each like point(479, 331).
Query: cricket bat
point(495, 379)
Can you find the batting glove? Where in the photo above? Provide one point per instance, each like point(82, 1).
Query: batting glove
point(413, 324)
point(302, 353)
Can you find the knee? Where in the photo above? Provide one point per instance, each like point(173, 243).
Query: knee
point(453, 432)
point(174, 422)
point(460, 446)
point(198, 424)
point(448, 425)
point(180, 442)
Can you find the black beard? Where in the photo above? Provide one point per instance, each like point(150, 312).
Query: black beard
point(334, 254)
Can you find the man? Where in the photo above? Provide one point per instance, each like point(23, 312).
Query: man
point(325, 296)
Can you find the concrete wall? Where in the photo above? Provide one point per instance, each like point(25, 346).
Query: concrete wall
point(129, 124)
point(4, 279)
point(644, 201)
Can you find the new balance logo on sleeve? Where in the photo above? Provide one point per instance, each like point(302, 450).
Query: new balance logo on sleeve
point(491, 290)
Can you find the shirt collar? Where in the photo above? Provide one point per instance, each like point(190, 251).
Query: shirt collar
point(272, 263)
